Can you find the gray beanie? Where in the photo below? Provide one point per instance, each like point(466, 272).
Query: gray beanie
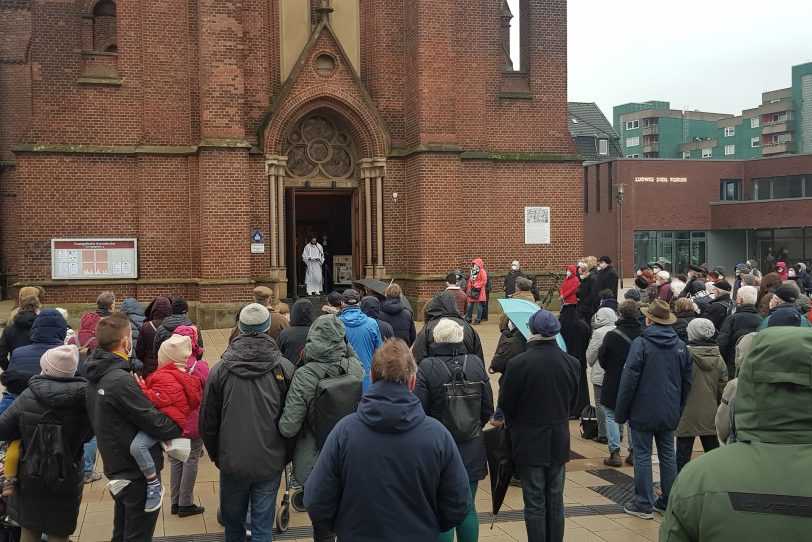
point(700, 329)
point(254, 318)
point(632, 294)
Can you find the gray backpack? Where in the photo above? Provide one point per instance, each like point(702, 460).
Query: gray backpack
point(337, 395)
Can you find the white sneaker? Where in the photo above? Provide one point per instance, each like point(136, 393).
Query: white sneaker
point(178, 448)
point(115, 486)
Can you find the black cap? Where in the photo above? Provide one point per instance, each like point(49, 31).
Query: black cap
point(605, 259)
point(334, 299)
point(351, 297)
point(785, 293)
point(180, 306)
point(788, 317)
point(697, 269)
point(723, 285)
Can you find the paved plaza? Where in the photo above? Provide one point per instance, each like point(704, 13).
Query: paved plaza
point(593, 494)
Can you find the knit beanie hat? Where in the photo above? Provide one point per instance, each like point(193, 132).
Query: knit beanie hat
point(786, 293)
point(632, 294)
point(61, 361)
point(180, 306)
point(254, 318)
point(700, 329)
point(176, 349)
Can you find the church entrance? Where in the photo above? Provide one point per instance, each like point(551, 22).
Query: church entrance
point(331, 216)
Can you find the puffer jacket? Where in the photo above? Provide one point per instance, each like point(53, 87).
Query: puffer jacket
point(569, 287)
point(745, 320)
point(324, 349)
point(709, 380)
point(681, 325)
point(291, 341)
point(167, 328)
point(511, 344)
point(364, 336)
point(132, 308)
point(16, 335)
point(432, 376)
point(241, 408)
point(160, 308)
point(718, 310)
point(400, 318)
point(602, 323)
point(50, 512)
point(174, 392)
point(198, 369)
point(612, 356)
point(479, 279)
point(655, 382)
point(372, 308)
point(757, 488)
point(441, 306)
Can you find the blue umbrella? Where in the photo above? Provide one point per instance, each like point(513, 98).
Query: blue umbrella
point(519, 312)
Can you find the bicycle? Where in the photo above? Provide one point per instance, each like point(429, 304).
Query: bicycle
point(545, 301)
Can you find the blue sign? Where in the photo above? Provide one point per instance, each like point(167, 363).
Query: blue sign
point(256, 236)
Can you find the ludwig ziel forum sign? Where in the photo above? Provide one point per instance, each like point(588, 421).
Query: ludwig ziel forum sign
point(94, 258)
point(661, 179)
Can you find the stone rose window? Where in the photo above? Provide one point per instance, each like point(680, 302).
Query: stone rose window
point(319, 149)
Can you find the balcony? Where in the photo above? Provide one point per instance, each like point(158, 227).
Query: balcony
point(777, 127)
point(651, 129)
point(776, 107)
point(651, 147)
point(770, 149)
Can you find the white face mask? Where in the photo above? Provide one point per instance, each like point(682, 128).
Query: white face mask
point(791, 272)
point(514, 267)
point(601, 266)
point(569, 274)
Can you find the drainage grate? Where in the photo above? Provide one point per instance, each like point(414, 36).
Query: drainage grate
point(618, 493)
point(613, 476)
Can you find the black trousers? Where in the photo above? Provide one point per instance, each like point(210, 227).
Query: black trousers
point(130, 522)
point(323, 532)
point(685, 446)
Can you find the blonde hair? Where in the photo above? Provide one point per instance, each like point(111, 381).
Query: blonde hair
point(591, 261)
point(448, 331)
point(394, 362)
point(30, 304)
point(683, 304)
point(393, 291)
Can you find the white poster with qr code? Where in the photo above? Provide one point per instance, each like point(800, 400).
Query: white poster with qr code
point(536, 225)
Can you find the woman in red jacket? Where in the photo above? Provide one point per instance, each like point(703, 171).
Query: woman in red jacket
point(569, 288)
point(476, 291)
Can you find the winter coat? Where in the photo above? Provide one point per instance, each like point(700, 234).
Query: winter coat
point(16, 335)
point(576, 333)
point(758, 487)
point(132, 308)
point(681, 325)
point(199, 370)
point(167, 328)
point(324, 349)
point(460, 298)
point(511, 344)
point(569, 287)
point(52, 512)
point(783, 307)
point(118, 410)
point(400, 318)
point(372, 308)
point(510, 282)
point(389, 452)
point(605, 280)
point(717, 310)
point(432, 376)
point(444, 306)
point(664, 292)
point(292, 339)
point(708, 383)
point(364, 336)
point(478, 281)
point(536, 397)
point(612, 356)
point(602, 323)
point(174, 392)
point(804, 281)
point(241, 408)
point(655, 382)
point(693, 287)
point(736, 326)
point(585, 295)
point(158, 310)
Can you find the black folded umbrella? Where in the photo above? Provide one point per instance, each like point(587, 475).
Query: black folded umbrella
point(379, 287)
point(500, 465)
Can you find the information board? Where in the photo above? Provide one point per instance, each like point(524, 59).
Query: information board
point(342, 269)
point(536, 225)
point(94, 258)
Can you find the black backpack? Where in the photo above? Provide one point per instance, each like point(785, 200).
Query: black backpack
point(589, 422)
point(46, 465)
point(337, 395)
point(462, 404)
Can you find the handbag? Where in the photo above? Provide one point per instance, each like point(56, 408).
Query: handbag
point(474, 293)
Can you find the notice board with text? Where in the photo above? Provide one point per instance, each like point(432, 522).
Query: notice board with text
point(94, 259)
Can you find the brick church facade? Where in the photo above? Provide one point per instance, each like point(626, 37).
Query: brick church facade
point(399, 130)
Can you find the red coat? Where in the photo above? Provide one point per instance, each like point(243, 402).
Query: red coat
point(479, 282)
point(174, 392)
point(569, 288)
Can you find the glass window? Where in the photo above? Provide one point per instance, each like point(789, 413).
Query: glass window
point(754, 122)
point(632, 124)
point(686, 155)
point(707, 153)
point(730, 149)
point(730, 131)
point(632, 141)
point(730, 190)
point(603, 146)
point(755, 141)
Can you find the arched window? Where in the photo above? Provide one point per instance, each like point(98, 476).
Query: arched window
point(104, 27)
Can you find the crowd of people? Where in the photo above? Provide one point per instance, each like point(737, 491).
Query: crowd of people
point(376, 416)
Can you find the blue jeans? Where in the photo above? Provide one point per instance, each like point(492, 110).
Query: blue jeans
point(139, 449)
point(614, 431)
point(235, 496)
point(470, 310)
point(543, 493)
point(90, 455)
point(643, 480)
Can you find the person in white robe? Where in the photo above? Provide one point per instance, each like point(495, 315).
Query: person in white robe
point(313, 256)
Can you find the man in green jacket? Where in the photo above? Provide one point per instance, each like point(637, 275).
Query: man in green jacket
point(757, 488)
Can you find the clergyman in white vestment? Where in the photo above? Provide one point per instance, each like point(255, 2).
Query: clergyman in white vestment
point(313, 257)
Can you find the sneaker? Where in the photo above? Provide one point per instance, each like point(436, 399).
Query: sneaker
point(630, 459)
point(659, 506)
point(192, 510)
point(114, 486)
point(633, 510)
point(155, 496)
point(613, 460)
point(91, 477)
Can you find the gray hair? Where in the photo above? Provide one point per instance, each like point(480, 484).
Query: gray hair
point(105, 300)
point(664, 275)
point(448, 331)
point(748, 295)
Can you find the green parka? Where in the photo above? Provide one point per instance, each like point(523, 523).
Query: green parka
point(325, 347)
point(758, 488)
point(709, 379)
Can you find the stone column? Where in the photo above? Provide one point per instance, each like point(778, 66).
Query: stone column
point(271, 165)
point(367, 172)
point(380, 172)
point(275, 169)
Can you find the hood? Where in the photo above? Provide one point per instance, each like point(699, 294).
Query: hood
point(58, 393)
point(176, 320)
point(391, 306)
point(389, 407)
point(160, 308)
point(325, 340)
point(705, 356)
point(131, 307)
point(451, 349)
point(573, 269)
point(662, 335)
point(371, 307)
point(102, 362)
point(49, 327)
point(604, 317)
point(774, 397)
point(251, 356)
point(193, 334)
point(478, 262)
point(441, 305)
point(302, 313)
point(25, 319)
point(353, 317)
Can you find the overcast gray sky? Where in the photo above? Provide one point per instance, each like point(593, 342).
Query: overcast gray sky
point(711, 55)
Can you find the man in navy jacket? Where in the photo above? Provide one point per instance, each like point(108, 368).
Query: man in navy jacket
point(388, 471)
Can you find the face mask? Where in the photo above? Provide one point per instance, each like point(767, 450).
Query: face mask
point(568, 274)
point(601, 266)
point(791, 272)
point(514, 267)
point(129, 349)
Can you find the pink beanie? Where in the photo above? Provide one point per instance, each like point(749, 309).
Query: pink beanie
point(61, 361)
